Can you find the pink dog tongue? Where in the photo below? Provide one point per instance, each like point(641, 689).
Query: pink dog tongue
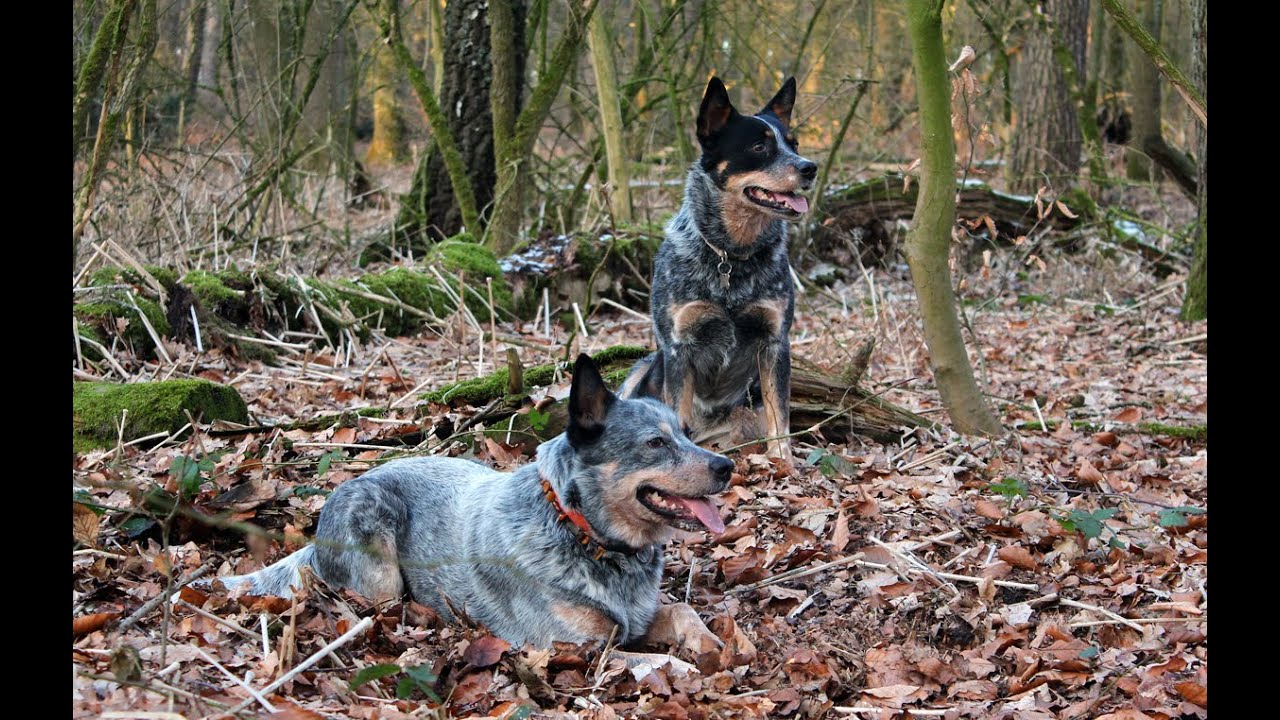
point(796, 202)
point(705, 512)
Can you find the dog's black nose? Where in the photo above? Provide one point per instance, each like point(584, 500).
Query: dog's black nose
point(722, 469)
point(808, 169)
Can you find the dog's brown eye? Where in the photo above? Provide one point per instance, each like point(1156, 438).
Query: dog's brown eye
point(657, 442)
point(758, 148)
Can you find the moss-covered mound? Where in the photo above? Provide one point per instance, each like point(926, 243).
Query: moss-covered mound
point(152, 408)
point(615, 362)
point(101, 313)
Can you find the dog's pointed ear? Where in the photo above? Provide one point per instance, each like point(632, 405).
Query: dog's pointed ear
point(782, 103)
point(716, 110)
point(589, 402)
point(646, 383)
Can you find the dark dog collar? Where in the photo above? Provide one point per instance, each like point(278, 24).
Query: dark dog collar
point(724, 267)
point(586, 535)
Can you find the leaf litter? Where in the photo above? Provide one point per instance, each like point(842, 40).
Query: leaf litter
point(1058, 572)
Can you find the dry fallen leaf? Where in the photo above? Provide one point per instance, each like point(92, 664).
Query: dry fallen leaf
point(485, 650)
point(86, 624)
point(1017, 556)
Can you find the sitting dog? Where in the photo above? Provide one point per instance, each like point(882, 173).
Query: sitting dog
point(722, 299)
point(565, 548)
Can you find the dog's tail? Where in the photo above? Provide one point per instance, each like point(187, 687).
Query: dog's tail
point(279, 579)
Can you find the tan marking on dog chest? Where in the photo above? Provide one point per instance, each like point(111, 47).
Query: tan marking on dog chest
point(689, 315)
point(585, 620)
point(771, 312)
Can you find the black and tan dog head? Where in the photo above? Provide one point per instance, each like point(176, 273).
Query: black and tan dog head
point(639, 473)
point(752, 158)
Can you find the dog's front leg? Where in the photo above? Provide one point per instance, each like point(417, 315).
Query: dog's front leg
point(775, 394)
point(678, 625)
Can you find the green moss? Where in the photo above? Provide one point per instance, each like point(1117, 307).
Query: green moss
point(1186, 432)
point(152, 408)
point(101, 315)
point(615, 361)
point(121, 276)
point(210, 289)
point(462, 253)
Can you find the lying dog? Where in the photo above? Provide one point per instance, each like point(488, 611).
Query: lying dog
point(565, 548)
point(722, 299)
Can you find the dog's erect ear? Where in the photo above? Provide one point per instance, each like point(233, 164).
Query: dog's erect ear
point(649, 384)
point(782, 103)
point(716, 110)
point(589, 402)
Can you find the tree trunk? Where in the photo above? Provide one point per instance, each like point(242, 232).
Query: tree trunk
point(1193, 97)
point(1144, 84)
point(513, 152)
point(1047, 140)
point(1195, 305)
point(601, 44)
point(388, 146)
point(929, 241)
point(429, 211)
point(193, 51)
point(207, 74)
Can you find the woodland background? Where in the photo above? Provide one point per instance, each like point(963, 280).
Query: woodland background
point(313, 235)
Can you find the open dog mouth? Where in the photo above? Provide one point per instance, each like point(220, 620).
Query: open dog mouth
point(687, 513)
point(780, 202)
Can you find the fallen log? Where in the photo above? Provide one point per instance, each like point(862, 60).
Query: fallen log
point(864, 210)
point(833, 403)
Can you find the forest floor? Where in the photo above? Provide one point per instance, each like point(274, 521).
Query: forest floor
point(1057, 572)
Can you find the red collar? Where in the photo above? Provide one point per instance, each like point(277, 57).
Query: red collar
point(586, 535)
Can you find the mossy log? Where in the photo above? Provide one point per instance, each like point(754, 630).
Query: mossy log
point(148, 409)
point(231, 305)
point(833, 401)
point(868, 204)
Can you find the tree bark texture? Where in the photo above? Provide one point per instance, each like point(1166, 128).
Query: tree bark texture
point(429, 211)
point(928, 243)
point(1195, 305)
point(1144, 85)
point(600, 41)
point(1047, 140)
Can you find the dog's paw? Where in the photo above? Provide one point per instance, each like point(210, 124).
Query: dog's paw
point(679, 625)
point(781, 449)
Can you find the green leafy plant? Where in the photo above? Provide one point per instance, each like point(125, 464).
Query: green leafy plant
point(322, 466)
point(1091, 524)
point(1010, 488)
point(190, 473)
point(538, 420)
point(829, 464)
point(1177, 517)
point(418, 677)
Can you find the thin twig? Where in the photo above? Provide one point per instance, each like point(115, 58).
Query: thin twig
point(248, 688)
point(154, 602)
point(346, 637)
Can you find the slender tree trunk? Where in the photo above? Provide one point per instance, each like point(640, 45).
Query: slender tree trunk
point(388, 146)
point(1144, 84)
point(436, 10)
point(513, 154)
point(928, 244)
point(119, 78)
point(1195, 305)
point(102, 50)
point(601, 44)
point(192, 52)
point(207, 74)
point(1047, 142)
point(1194, 99)
point(430, 211)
